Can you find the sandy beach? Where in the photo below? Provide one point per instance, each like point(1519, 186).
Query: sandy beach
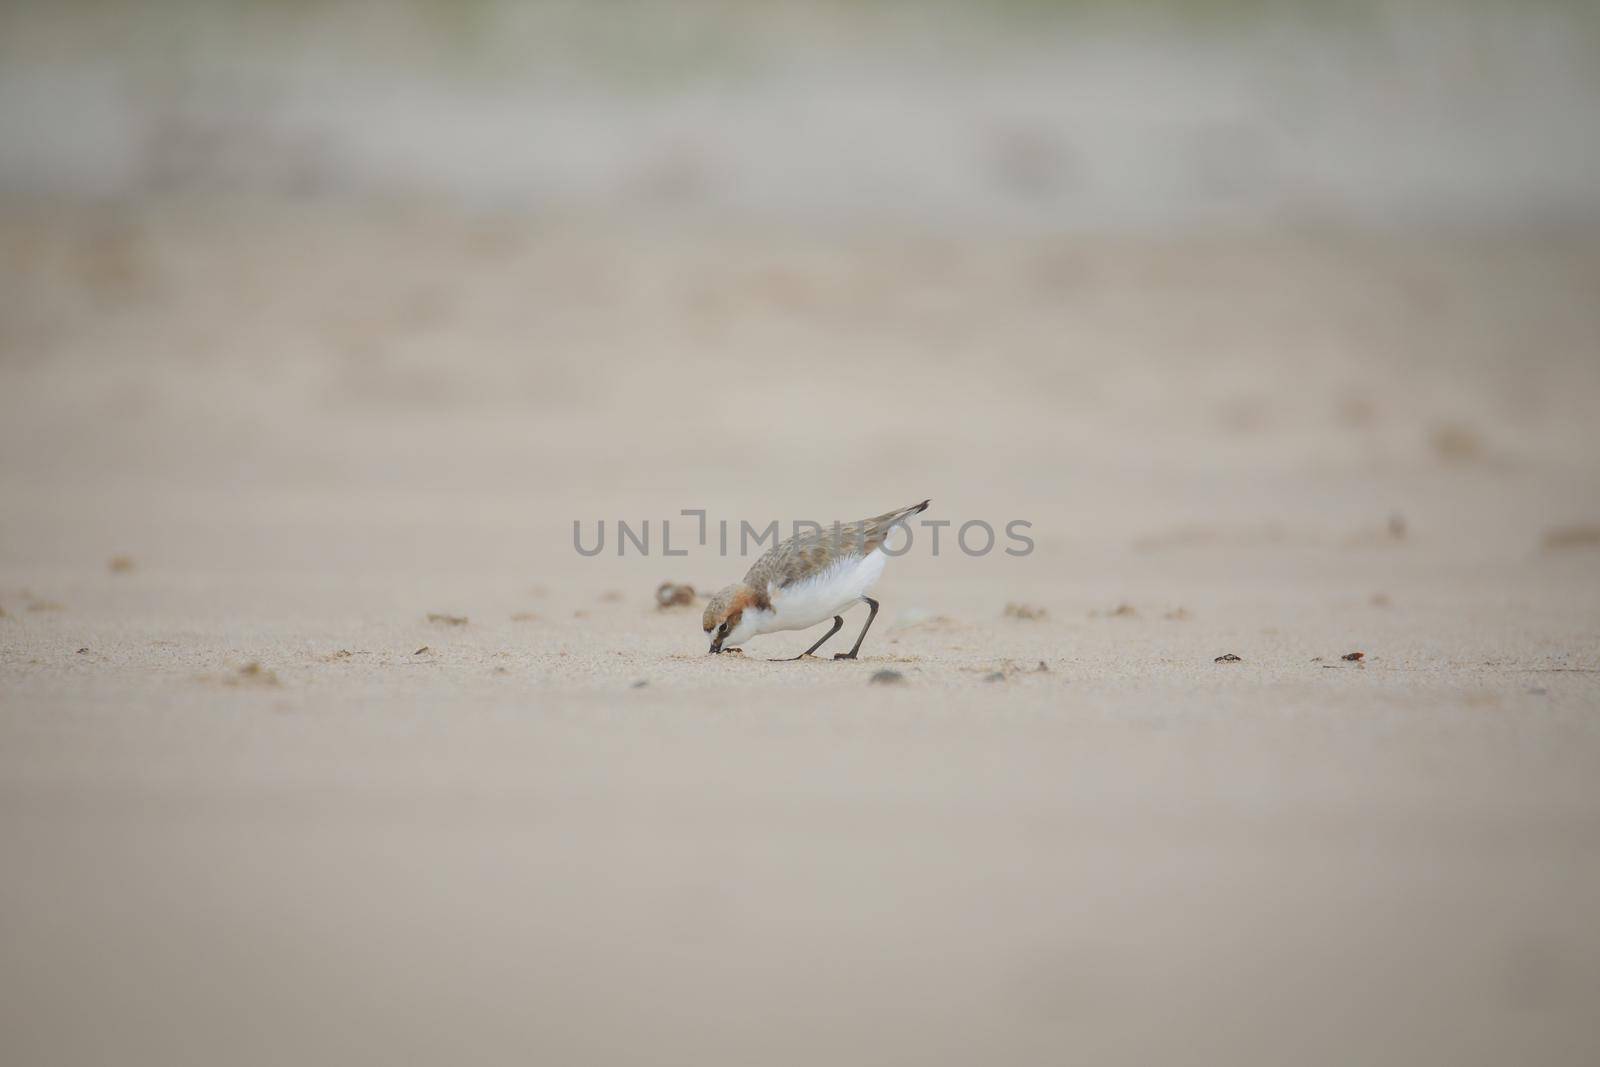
point(259, 807)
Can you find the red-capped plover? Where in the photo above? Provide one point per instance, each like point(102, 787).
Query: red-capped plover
point(802, 581)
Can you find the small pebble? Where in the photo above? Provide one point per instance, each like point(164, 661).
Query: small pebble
point(887, 677)
point(673, 594)
point(995, 676)
point(255, 674)
point(1353, 657)
point(640, 684)
point(1227, 657)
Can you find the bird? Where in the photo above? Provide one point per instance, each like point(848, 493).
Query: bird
point(802, 581)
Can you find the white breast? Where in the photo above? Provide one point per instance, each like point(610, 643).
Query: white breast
point(816, 599)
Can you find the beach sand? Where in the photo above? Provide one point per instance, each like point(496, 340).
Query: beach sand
point(256, 807)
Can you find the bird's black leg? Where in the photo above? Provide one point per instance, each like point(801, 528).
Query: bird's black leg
point(871, 614)
point(838, 624)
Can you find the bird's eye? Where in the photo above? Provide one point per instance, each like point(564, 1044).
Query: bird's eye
point(722, 631)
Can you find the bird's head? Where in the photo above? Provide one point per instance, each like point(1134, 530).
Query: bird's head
point(725, 621)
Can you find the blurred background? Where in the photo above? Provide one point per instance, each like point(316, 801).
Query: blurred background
point(322, 322)
point(539, 262)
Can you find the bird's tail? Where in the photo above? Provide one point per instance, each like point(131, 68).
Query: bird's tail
point(889, 518)
point(915, 509)
point(868, 534)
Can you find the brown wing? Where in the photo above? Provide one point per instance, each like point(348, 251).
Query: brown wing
point(811, 551)
point(871, 533)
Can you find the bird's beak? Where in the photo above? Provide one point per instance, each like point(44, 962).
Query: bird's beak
point(716, 645)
